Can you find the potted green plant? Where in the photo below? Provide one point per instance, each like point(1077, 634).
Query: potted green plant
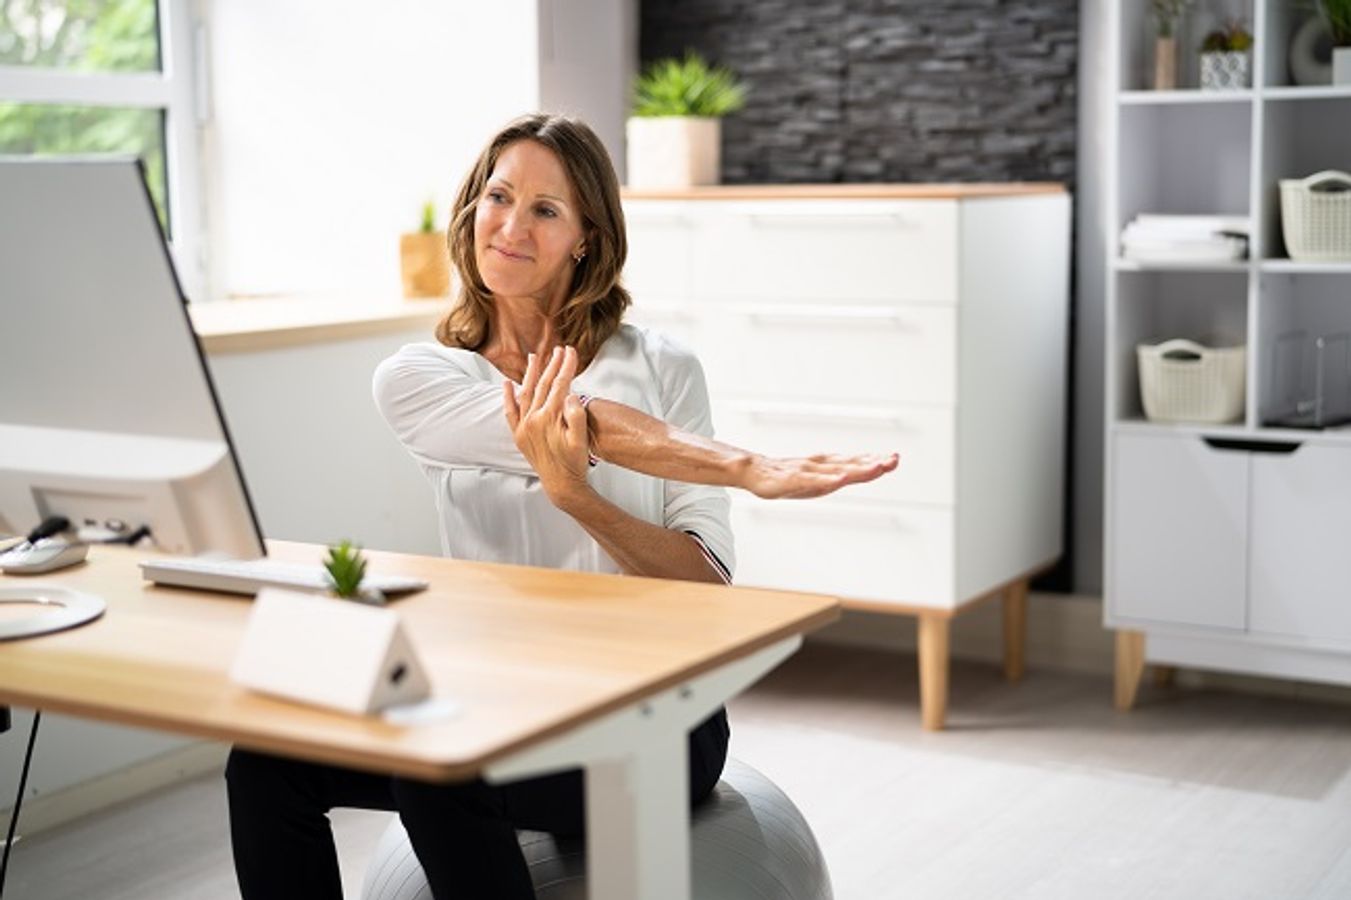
point(346, 567)
point(1226, 59)
point(424, 260)
point(1337, 14)
point(349, 656)
point(1167, 14)
point(674, 135)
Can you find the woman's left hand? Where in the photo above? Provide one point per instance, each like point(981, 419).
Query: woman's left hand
point(548, 424)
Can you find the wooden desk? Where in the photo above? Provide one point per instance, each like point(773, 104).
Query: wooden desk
point(551, 669)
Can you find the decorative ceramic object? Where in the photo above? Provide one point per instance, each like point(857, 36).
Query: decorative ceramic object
point(1311, 53)
point(1226, 71)
point(1165, 64)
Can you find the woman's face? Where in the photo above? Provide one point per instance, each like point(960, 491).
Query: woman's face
point(527, 227)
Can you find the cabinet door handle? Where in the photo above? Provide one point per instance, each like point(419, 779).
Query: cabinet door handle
point(829, 220)
point(824, 516)
point(1249, 445)
point(672, 220)
point(817, 414)
point(816, 315)
point(662, 312)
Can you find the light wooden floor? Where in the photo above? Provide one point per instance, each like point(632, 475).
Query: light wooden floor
point(1037, 790)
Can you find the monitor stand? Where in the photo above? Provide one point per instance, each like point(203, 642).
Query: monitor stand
point(50, 608)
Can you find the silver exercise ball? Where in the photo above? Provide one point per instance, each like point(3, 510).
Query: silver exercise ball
point(748, 842)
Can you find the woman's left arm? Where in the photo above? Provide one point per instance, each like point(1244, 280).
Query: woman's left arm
point(549, 426)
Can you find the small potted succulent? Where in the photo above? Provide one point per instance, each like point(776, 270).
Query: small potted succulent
point(1337, 14)
point(674, 135)
point(424, 258)
point(346, 567)
point(349, 656)
point(1167, 14)
point(1226, 59)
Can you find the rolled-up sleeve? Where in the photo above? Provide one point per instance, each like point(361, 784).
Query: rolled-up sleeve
point(697, 509)
point(445, 413)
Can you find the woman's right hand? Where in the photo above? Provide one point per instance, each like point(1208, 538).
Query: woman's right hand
point(802, 478)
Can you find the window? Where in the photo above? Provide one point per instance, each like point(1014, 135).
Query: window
point(109, 76)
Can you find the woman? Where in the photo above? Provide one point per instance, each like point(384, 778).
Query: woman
point(540, 420)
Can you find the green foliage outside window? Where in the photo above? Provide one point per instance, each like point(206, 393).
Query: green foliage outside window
point(94, 36)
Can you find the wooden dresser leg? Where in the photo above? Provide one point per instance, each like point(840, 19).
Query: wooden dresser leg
point(1164, 676)
point(1015, 629)
point(933, 671)
point(1130, 666)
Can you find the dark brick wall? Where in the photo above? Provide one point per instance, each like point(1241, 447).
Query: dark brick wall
point(886, 90)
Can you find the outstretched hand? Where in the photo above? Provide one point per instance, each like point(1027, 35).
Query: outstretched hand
point(802, 478)
point(548, 423)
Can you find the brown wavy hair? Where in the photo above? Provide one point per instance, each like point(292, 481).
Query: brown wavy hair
point(596, 300)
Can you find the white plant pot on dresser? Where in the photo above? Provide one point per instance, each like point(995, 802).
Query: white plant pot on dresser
point(1224, 544)
point(1341, 66)
point(926, 319)
point(673, 151)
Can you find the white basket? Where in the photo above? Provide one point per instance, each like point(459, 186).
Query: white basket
point(1316, 216)
point(1183, 381)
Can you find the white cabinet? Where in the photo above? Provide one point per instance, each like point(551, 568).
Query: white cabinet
point(1223, 540)
point(923, 320)
point(1297, 568)
point(1180, 519)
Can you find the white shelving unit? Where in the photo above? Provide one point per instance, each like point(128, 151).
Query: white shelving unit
point(1223, 542)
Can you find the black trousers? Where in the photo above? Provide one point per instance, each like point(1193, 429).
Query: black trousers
point(464, 834)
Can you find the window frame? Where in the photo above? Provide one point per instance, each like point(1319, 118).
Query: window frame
point(177, 91)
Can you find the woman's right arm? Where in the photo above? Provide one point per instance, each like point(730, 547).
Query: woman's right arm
point(625, 437)
point(446, 415)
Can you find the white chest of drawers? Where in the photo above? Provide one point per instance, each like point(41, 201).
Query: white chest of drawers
point(930, 320)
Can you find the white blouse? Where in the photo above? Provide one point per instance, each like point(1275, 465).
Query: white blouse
point(445, 407)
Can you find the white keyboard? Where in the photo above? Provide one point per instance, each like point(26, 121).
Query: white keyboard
point(248, 576)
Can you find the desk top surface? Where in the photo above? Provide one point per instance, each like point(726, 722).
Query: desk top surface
point(527, 654)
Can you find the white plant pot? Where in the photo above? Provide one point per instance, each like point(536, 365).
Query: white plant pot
point(1226, 71)
point(1341, 65)
point(673, 152)
point(328, 652)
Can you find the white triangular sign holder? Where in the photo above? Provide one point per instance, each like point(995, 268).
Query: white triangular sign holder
point(328, 652)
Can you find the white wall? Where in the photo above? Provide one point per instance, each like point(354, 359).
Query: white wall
point(333, 122)
point(320, 463)
point(588, 59)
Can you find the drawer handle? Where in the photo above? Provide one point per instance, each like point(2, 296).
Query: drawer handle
point(819, 515)
point(663, 312)
point(814, 315)
point(1252, 446)
point(840, 220)
point(818, 414)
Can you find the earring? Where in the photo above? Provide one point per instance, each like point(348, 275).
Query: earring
point(577, 257)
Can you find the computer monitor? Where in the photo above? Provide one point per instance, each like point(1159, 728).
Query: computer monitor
point(108, 416)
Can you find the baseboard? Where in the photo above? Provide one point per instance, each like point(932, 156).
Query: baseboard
point(68, 804)
point(1064, 633)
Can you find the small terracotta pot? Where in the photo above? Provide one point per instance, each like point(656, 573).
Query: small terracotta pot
point(425, 264)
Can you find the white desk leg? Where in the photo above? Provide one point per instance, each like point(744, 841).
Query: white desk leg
point(638, 824)
point(637, 779)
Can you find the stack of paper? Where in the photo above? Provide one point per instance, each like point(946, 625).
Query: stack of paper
point(1182, 239)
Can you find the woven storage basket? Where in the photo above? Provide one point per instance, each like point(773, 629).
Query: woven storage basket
point(1183, 381)
point(1316, 216)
